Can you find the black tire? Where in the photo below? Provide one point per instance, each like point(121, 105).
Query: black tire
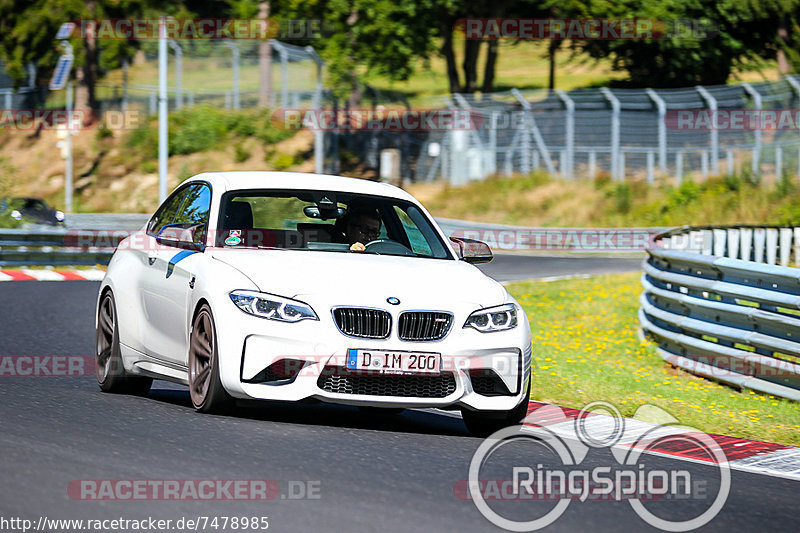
point(205, 388)
point(484, 423)
point(109, 371)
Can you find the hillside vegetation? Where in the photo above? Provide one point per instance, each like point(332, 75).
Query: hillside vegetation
point(116, 170)
point(538, 200)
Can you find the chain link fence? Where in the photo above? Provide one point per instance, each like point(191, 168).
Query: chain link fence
point(223, 74)
point(624, 133)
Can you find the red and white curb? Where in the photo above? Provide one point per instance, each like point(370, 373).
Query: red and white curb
point(52, 275)
point(779, 460)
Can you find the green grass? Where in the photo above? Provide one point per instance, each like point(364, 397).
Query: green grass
point(523, 65)
point(586, 348)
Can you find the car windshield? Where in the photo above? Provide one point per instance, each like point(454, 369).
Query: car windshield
point(327, 221)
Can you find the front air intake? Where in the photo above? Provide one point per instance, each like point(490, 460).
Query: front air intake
point(363, 322)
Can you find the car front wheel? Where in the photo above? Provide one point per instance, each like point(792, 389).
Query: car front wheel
point(205, 387)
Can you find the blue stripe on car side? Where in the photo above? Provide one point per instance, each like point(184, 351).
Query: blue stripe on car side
point(177, 258)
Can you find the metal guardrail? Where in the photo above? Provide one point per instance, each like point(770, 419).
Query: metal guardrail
point(57, 247)
point(89, 239)
point(718, 305)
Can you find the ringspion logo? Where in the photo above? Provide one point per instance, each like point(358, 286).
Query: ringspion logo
point(557, 470)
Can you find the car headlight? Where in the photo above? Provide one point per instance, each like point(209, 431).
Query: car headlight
point(60, 216)
point(498, 318)
point(16, 215)
point(272, 307)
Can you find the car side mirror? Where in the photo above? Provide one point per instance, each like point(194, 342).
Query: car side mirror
point(472, 251)
point(181, 236)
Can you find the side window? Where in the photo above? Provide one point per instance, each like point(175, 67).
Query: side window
point(195, 209)
point(196, 205)
point(419, 245)
point(166, 213)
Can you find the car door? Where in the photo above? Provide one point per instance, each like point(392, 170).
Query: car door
point(170, 278)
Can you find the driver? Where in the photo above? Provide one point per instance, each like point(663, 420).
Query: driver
point(361, 226)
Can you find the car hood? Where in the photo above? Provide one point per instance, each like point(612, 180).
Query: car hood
point(335, 278)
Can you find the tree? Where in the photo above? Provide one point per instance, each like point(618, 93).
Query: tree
point(28, 29)
point(368, 37)
point(736, 32)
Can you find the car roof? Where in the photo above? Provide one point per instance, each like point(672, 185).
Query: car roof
point(249, 180)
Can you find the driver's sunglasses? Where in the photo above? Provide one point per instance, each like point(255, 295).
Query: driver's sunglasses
point(367, 230)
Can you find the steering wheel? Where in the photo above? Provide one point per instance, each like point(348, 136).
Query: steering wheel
point(388, 247)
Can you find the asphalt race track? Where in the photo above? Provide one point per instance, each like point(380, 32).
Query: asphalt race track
point(511, 267)
point(366, 471)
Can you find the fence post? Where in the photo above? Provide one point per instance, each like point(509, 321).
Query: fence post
point(704, 164)
point(235, 52)
point(492, 166)
point(509, 163)
point(662, 129)
point(284, 72)
point(714, 134)
point(622, 166)
point(178, 72)
point(778, 163)
point(731, 168)
point(530, 122)
point(124, 106)
point(7, 99)
point(319, 139)
point(568, 170)
point(593, 164)
point(615, 110)
point(153, 102)
point(796, 88)
point(462, 102)
point(756, 96)
point(679, 167)
point(650, 170)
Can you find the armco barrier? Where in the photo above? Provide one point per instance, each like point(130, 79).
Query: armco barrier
point(718, 305)
point(43, 245)
point(38, 245)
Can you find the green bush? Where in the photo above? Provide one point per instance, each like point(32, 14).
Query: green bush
point(240, 153)
point(200, 128)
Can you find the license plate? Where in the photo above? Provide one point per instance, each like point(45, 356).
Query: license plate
point(385, 362)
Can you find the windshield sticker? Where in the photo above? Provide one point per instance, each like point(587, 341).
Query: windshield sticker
point(233, 240)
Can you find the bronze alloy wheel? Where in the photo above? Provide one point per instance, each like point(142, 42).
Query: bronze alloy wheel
point(205, 387)
point(106, 322)
point(108, 361)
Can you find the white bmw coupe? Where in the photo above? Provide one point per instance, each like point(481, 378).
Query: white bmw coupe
point(289, 286)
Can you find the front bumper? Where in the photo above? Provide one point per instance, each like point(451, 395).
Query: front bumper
point(267, 360)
